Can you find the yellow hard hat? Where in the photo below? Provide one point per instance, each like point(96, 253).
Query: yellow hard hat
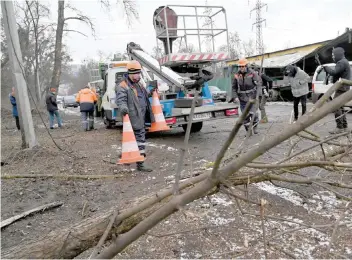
point(134, 67)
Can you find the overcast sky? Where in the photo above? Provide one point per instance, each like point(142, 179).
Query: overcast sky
point(288, 23)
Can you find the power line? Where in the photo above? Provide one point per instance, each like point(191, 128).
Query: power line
point(258, 24)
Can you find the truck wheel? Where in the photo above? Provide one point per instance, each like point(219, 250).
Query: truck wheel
point(196, 127)
point(108, 123)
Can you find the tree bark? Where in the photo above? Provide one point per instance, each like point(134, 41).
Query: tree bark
point(55, 80)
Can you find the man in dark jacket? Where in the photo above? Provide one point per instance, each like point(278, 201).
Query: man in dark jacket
point(342, 70)
point(12, 97)
point(267, 84)
point(52, 108)
point(244, 87)
point(132, 99)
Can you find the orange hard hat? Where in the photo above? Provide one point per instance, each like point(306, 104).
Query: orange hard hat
point(134, 67)
point(242, 62)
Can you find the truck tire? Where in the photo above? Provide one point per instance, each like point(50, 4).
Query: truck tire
point(196, 127)
point(107, 122)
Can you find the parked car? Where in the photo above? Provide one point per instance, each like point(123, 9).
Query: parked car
point(59, 99)
point(320, 84)
point(218, 94)
point(69, 101)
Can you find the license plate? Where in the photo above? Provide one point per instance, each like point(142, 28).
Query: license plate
point(201, 116)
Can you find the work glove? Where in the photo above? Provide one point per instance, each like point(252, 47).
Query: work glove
point(266, 94)
point(124, 111)
point(233, 100)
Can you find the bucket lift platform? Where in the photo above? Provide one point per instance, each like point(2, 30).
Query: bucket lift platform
point(166, 22)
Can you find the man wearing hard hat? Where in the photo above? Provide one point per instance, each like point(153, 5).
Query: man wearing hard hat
point(244, 88)
point(132, 99)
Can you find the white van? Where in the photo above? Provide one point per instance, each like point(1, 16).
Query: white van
point(114, 74)
point(319, 86)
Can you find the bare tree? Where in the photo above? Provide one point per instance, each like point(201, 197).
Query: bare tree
point(248, 48)
point(227, 174)
point(61, 27)
point(158, 51)
point(234, 46)
point(37, 11)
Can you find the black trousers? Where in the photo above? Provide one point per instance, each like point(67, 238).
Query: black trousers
point(17, 122)
point(296, 100)
point(340, 116)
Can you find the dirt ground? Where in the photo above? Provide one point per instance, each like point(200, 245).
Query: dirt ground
point(212, 228)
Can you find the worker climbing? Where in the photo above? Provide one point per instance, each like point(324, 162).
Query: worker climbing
point(244, 88)
point(132, 99)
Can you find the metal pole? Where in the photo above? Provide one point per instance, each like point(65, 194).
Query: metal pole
point(184, 26)
point(26, 121)
point(227, 31)
point(200, 45)
point(156, 38)
point(212, 33)
point(167, 32)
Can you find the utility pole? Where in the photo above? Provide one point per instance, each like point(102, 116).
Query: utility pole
point(258, 23)
point(29, 139)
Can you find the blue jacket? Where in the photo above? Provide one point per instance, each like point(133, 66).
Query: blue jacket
point(14, 105)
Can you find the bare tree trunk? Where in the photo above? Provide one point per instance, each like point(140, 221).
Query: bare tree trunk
point(55, 80)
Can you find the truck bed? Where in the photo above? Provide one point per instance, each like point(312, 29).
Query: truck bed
point(203, 109)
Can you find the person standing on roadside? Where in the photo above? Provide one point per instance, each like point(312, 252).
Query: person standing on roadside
point(342, 70)
point(244, 89)
point(299, 87)
point(12, 97)
point(52, 108)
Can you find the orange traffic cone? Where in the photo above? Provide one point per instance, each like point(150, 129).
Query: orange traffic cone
point(130, 151)
point(160, 123)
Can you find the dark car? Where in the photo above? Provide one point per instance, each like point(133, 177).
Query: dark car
point(69, 101)
point(218, 94)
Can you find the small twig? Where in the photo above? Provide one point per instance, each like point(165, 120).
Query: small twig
point(84, 208)
point(282, 250)
point(183, 231)
point(333, 235)
point(322, 150)
point(337, 194)
point(262, 212)
point(230, 193)
point(299, 165)
point(9, 221)
point(105, 235)
point(315, 145)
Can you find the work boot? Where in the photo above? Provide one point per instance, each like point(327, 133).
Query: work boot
point(337, 131)
point(264, 120)
point(142, 168)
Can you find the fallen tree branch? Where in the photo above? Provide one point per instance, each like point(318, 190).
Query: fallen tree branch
point(299, 165)
point(13, 219)
point(205, 186)
point(58, 176)
point(105, 235)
